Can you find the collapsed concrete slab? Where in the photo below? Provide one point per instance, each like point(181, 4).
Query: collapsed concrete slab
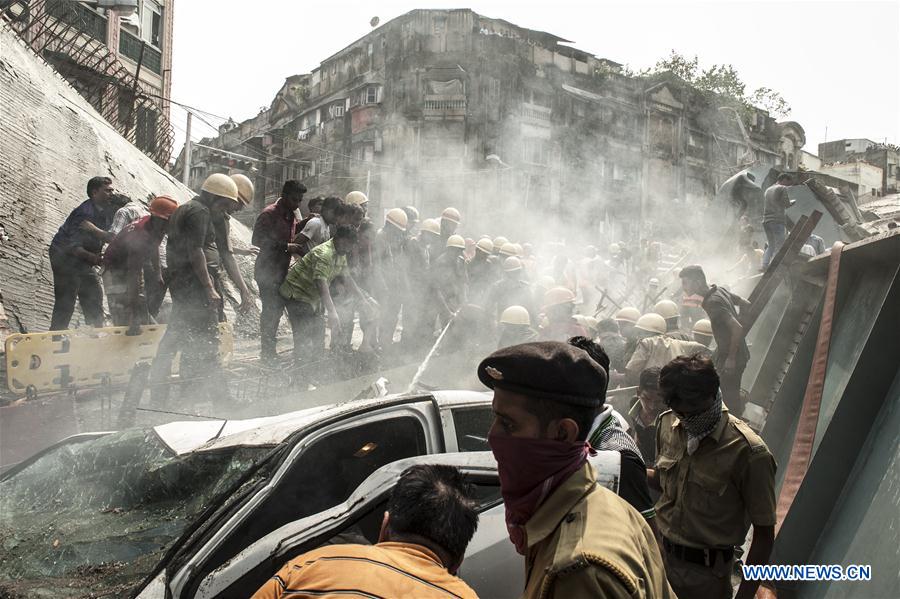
point(53, 141)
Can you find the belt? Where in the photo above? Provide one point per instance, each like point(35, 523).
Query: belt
point(704, 557)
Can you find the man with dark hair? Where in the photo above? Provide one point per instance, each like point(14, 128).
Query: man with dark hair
point(647, 407)
point(319, 228)
point(716, 476)
point(75, 255)
point(732, 354)
point(430, 519)
point(613, 343)
point(306, 292)
point(578, 538)
point(609, 433)
point(774, 220)
point(273, 233)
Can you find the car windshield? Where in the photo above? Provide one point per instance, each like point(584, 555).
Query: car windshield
point(93, 518)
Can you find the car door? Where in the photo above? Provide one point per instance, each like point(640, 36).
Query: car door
point(321, 470)
point(358, 520)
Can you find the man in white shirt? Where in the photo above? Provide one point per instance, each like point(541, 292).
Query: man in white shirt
point(319, 228)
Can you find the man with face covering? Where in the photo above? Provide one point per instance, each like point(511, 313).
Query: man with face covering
point(717, 477)
point(578, 538)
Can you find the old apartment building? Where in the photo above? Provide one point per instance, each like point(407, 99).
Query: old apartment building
point(118, 55)
point(856, 157)
point(447, 107)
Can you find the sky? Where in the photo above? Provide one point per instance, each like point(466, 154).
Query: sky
point(836, 63)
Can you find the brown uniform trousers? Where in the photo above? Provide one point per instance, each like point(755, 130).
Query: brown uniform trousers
point(709, 500)
point(585, 541)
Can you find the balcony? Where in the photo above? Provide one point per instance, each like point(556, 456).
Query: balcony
point(539, 115)
point(442, 107)
point(80, 17)
point(130, 46)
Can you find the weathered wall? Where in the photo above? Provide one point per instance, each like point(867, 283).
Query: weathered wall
point(52, 142)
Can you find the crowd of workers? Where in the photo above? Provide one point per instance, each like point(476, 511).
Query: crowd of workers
point(691, 478)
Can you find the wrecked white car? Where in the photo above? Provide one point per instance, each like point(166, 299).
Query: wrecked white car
point(102, 513)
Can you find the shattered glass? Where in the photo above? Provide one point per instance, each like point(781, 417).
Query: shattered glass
point(92, 519)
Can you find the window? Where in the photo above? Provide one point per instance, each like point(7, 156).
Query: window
point(372, 94)
point(472, 426)
point(337, 110)
point(151, 23)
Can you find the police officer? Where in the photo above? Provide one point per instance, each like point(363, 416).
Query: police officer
point(716, 477)
point(578, 538)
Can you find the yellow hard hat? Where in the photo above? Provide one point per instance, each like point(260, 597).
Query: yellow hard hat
point(508, 249)
point(485, 245)
point(245, 188)
point(557, 296)
point(430, 225)
point(456, 241)
point(703, 327)
point(451, 214)
point(499, 242)
point(397, 217)
point(357, 198)
point(518, 248)
point(221, 185)
point(651, 322)
point(627, 314)
point(512, 264)
point(667, 309)
point(545, 282)
point(516, 315)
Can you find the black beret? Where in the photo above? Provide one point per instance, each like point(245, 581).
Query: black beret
point(547, 370)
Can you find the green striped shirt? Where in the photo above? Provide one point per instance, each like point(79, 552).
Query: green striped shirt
point(323, 263)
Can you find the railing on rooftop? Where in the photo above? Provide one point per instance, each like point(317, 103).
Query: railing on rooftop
point(79, 16)
point(130, 46)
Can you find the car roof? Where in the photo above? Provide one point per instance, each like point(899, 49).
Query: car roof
point(184, 437)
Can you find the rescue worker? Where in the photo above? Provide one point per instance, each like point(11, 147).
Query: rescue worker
point(626, 318)
point(645, 409)
point(732, 353)
point(578, 538)
point(314, 209)
point(514, 327)
point(246, 194)
point(652, 295)
point(307, 293)
point(431, 517)
point(774, 220)
point(124, 261)
point(511, 290)
point(318, 229)
point(350, 214)
point(703, 332)
point(358, 198)
point(499, 242)
point(669, 310)
point(448, 278)
point(75, 254)
point(656, 348)
point(389, 280)
point(482, 273)
point(450, 219)
point(273, 234)
point(558, 308)
point(612, 342)
point(717, 477)
point(412, 220)
point(192, 327)
point(421, 315)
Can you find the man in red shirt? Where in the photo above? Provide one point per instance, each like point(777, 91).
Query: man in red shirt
point(273, 233)
point(124, 260)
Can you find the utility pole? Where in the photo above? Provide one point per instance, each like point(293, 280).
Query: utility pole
point(368, 180)
point(186, 166)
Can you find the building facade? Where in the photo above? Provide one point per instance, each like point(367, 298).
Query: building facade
point(881, 155)
point(121, 63)
point(447, 107)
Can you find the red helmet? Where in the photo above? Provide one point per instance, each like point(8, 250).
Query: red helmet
point(163, 207)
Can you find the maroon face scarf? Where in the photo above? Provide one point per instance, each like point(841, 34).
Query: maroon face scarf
point(530, 470)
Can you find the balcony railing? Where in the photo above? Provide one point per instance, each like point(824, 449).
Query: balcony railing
point(80, 17)
point(537, 113)
point(130, 46)
point(445, 104)
point(443, 107)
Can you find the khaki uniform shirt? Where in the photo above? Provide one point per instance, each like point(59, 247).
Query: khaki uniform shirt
point(711, 498)
point(585, 541)
point(659, 351)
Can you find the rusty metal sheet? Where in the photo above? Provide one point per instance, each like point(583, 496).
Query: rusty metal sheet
point(55, 361)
